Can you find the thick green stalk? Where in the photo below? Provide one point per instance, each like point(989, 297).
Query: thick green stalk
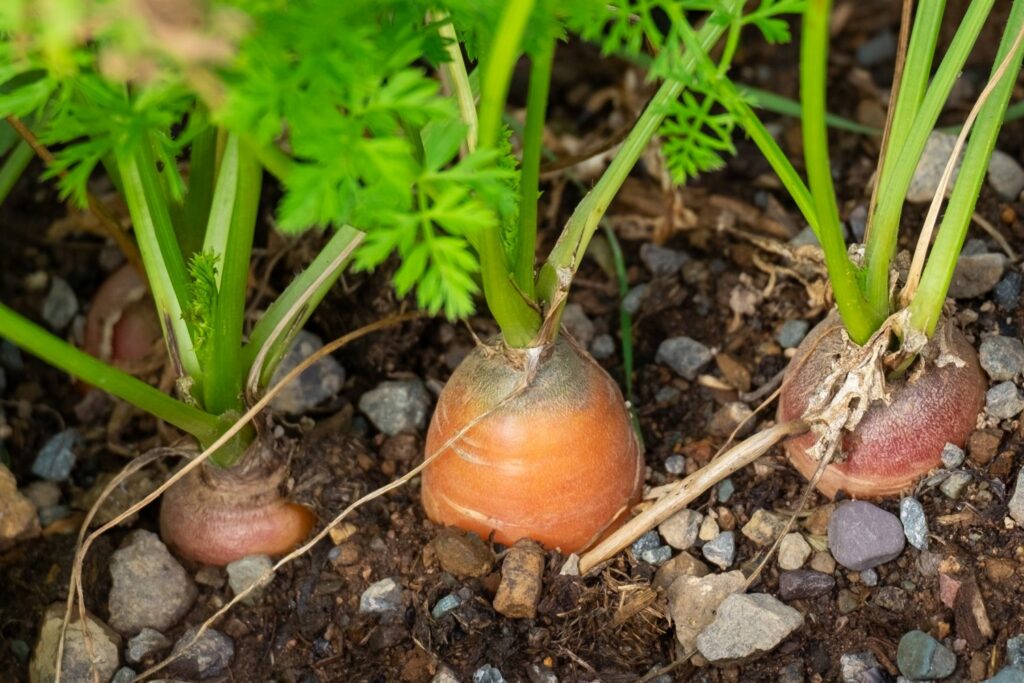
point(230, 234)
point(885, 223)
point(60, 354)
point(14, 165)
point(926, 305)
point(202, 173)
point(857, 317)
point(158, 246)
point(572, 243)
point(529, 179)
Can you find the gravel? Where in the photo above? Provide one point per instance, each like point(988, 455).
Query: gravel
point(1002, 357)
point(921, 657)
point(954, 485)
point(804, 583)
point(488, 674)
point(730, 416)
point(247, 572)
point(150, 589)
point(209, 656)
point(445, 605)
point(976, 275)
point(693, 600)
point(747, 625)
point(60, 305)
point(793, 551)
point(1016, 504)
point(869, 577)
point(397, 406)
point(56, 458)
point(680, 530)
point(18, 520)
point(603, 347)
point(915, 525)
point(634, 298)
point(1007, 291)
point(147, 642)
point(1003, 401)
point(862, 535)
point(381, 597)
point(76, 664)
point(675, 464)
point(317, 383)
point(1005, 176)
point(925, 183)
point(657, 556)
point(792, 333)
point(662, 261)
point(852, 667)
point(649, 541)
point(952, 456)
point(686, 356)
point(877, 50)
point(763, 527)
point(577, 324)
point(721, 550)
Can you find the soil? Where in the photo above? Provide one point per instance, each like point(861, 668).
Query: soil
point(611, 625)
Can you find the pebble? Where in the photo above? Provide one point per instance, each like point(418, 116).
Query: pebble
point(123, 675)
point(577, 324)
point(948, 589)
point(76, 664)
point(925, 183)
point(793, 551)
point(1008, 674)
point(648, 541)
point(10, 356)
point(444, 675)
point(823, 562)
point(666, 395)
point(952, 456)
point(693, 600)
point(147, 642)
point(791, 673)
point(681, 529)
point(725, 490)
point(488, 674)
point(764, 527)
point(43, 494)
point(603, 347)
point(542, 674)
point(1015, 651)
point(250, 571)
point(853, 666)
point(915, 525)
point(210, 576)
point(975, 275)
point(634, 298)
point(662, 261)
point(862, 535)
point(445, 605)
point(522, 574)
point(708, 529)
point(381, 597)
point(747, 625)
point(397, 406)
point(675, 464)
point(462, 553)
point(57, 456)
point(683, 564)
point(721, 550)
point(60, 305)
point(149, 587)
point(1005, 176)
point(869, 577)
point(955, 484)
point(18, 520)
point(1016, 504)
point(1002, 357)
point(846, 602)
point(802, 584)
point(657, 556)
point(1007, 291)
point(892, 598)
point(921, 657)
point(877, 50)
point(792, 333)
point(686, 356)
point(209, 656)
point(730, 416)
point(804, 238)
point(317, 383)
point(1003, 401)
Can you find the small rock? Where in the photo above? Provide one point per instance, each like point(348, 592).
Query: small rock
point(634, 298)
point(1008, 674)
point(683, 564)
point(948, 589)
point(522, 574)
point(381, 597)
point(657, 556)
point(76, 664)
point(662, 261)
point(317, 383)
point(976, 275)
point(666, 395)
point(823, 562)
point(250, 571)
point(149, 587)
point(488, 674)
point(132, 488)
point(57, 456)
point(952, 456)
point(747, 625)
point(721, 550)
point(18, 520)
point(1005, 176)
point(853, 666)
point(1015, 651)
point(792, 333)
point(43, 494)
point(60, 305)
point(209, 656)
point(804, 238)
point(675, 464)
point(1003, 401)
point(681, 529)
point(210, 576)
point(791, 673)
point(1007, 291)
point(915, 525)
point(603, 347)
point(955, 484)
point(1016, 504)
point(877, 50)
point(397, 406)
point(730, 416)
point(708, 529)
point(725, 490)
point(693, 600)
point(1002, 357)
point(577, 324)
point(892, 598)
point(684, 355)
point(869, 577)
point(793, 551)
point(862, 535)
point(571, 566)
point(541, 674)
point(764, 527)
point(921, 657)
point(937, 152)
point(462, 553)
point(445, 605)
point(802, 584)
point(846, 602)
point(982, 445)
point(444, 675)
point(146, 643)
point(648, 541)
point(123, 675)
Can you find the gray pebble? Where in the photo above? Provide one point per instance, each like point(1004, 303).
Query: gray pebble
point(662, 261)
point(51, 513)
point(1015, 651)
point(746, 625)
point(666, 395)
point(649, 541)
point(680, 530)
point(634, 298)
point(445, 605)
point(657, 556)
point(952, 456)
point(1002, 357)
point(488, 674)
point(976, 275)
point(249, 571)
point(1008, 674)
point(921, 657)
point(1016, 504)
point(675, 464)
point(862, 535)
point(877, 50)
point(381, 597)
point(725, 490)
point(1005, 176)
point(57, 456)
point(892, 598)
point(603, 347)
point(915, 525)
point(721, 550)
point(209, 656)
point(149, 588)
point(577, 324)
point(805, 238)
point(1003, 401)
point(397, 406)
point(804, 583)
point(1007, 291)
point(317, 383)
point(955, 484)
point(148, 642)
point(869, 577)
point(123, 675)
point(792, 333)
point(684, 355)
point(60, 305)
point(853, 666)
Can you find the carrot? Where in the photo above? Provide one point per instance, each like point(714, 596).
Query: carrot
point(895, 444)
point(558, 462)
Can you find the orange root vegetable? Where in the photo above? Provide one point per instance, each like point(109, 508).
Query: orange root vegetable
point(122, 324)
point(936, 403)
point(558, 462)
point(218, 515)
